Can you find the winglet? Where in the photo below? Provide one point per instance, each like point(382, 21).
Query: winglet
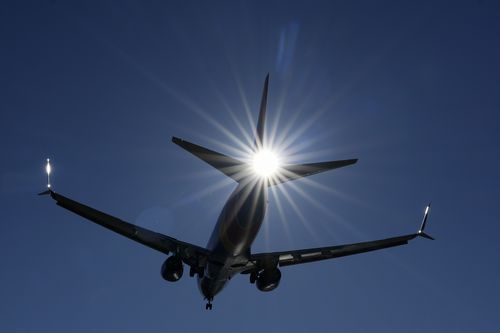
point(424, 222)
point(45, 192)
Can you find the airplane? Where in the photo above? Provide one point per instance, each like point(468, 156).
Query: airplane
point(228, 251)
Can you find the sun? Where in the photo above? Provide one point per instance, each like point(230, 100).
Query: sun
point(265, 163)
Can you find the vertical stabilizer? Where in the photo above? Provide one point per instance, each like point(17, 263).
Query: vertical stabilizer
point(259, 135)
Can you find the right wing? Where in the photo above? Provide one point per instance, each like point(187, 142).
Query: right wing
point(192, 255)
point(287, 258)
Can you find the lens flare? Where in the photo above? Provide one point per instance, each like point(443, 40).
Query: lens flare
point(48, 168)
point(265, 163)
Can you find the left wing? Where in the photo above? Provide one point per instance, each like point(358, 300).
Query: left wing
point(287, 258)
point(192, 255)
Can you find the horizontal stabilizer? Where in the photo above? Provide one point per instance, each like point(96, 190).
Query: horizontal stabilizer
point(296, 171)
point(229, 166)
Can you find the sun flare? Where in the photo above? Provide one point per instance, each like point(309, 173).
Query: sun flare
point(265, 163)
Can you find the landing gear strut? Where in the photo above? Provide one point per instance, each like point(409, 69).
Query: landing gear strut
point(195, 270)
point(254, 276)
point(209, 304)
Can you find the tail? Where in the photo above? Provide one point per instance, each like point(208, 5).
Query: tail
point(259, 134)
point(229, 166)
point(239, 170)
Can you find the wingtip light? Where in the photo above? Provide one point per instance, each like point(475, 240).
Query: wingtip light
point(48, 170)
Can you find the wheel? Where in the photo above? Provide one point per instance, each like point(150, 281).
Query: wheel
point(253, 277)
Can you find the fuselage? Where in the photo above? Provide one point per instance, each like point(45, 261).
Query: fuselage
point(236, 228)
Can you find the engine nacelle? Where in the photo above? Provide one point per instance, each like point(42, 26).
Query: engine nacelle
point(268, 279)
point(172, 269)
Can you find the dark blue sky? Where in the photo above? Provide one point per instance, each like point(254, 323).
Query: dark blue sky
point(411, 89)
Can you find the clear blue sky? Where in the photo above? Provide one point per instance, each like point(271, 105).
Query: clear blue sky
point(411, 89)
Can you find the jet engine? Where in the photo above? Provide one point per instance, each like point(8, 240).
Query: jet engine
point(172, 269)
point(269, 279)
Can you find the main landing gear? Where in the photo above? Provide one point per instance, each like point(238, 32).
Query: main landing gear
point(209, 304)
point(254, 276)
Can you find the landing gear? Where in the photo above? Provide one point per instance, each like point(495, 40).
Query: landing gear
point(209, 304)
point(195, 270)
point(254, 276)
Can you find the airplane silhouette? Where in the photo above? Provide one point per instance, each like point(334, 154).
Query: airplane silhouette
point(228, 251)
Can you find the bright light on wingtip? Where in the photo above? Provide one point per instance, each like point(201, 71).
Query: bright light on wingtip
point(426, 210)
point(265, 163)
point(48, 168)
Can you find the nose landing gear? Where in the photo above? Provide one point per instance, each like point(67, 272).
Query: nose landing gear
point(209, 304)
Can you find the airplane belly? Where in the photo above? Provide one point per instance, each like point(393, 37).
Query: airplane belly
point(239, 221)
point(218, 272)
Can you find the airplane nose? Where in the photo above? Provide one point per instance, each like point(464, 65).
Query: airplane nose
point(209, 288)
point(205, 286)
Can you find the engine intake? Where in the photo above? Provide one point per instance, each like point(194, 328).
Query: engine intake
point(172, 269)
point(268, 279)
